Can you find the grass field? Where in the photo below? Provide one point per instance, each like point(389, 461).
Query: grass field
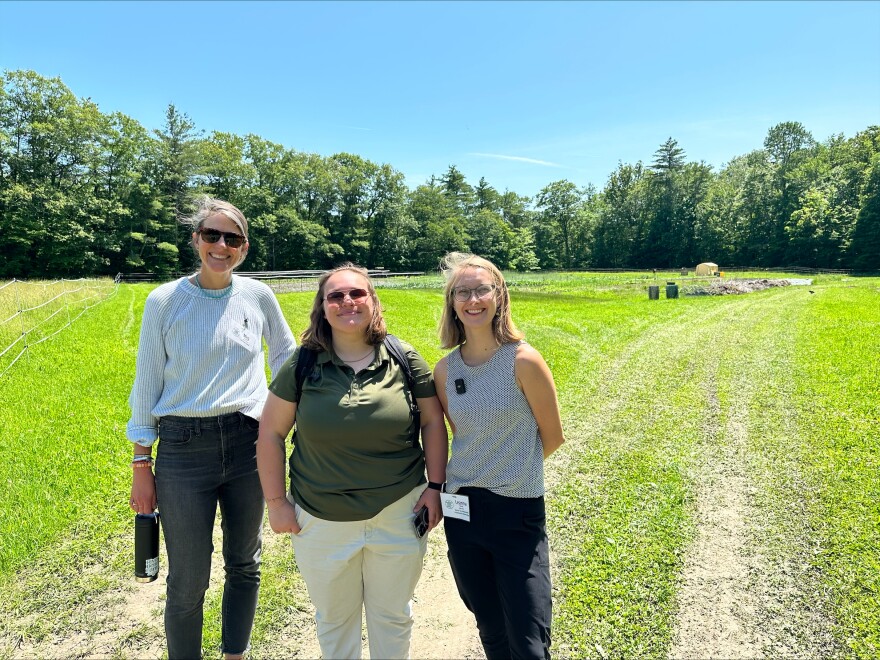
point(775, 394)
point(32, 312)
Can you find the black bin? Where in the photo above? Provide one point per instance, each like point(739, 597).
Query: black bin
point(671, 290)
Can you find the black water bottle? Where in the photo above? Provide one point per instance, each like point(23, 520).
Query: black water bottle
point(146, 547)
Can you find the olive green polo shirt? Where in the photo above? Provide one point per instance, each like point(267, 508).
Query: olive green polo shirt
point(353, 453)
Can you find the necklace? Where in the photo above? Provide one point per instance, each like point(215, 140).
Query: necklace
point(359, 359)
point(222, 292)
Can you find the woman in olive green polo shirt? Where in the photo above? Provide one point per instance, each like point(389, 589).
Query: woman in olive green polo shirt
point(357, 476)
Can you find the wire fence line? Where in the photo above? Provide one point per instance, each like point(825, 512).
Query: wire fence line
point(287, 281)
point(34, 312)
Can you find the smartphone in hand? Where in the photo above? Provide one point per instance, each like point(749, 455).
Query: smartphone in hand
point(420, 522)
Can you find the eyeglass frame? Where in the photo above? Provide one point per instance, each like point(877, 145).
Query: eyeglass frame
point(472, 292)
point(225, 235)
point(340, 296)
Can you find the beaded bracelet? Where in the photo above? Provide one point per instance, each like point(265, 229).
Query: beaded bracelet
point(142, 464)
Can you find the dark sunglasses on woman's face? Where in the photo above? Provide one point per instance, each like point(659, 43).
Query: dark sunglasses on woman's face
point(213, 235)
point(356, 295)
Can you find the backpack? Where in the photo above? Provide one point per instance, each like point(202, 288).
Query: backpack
point(308, 358)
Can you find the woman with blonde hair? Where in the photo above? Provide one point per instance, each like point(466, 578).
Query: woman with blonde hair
point(199, 388)
point(357, 469)
point(500, 399)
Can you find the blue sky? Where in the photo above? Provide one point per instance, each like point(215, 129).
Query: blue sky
point(521, 93)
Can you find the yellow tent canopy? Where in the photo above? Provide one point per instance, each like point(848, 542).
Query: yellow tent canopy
point(707, 268)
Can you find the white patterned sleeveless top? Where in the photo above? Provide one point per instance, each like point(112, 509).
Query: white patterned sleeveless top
point(496, 443)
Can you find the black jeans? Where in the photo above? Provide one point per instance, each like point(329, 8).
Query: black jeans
point(501, 564)
point(201, 462)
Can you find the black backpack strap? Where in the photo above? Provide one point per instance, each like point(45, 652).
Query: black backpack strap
point(395, 350)
point(305, 362)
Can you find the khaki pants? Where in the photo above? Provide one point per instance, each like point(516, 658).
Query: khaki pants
point(366, 564)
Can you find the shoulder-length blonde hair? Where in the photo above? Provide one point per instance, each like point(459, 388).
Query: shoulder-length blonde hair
point(319, 335)
point(451, 329)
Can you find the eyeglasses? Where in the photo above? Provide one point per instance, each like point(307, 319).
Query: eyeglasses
point(338, 297)
point(213, 235)
point(463, 293)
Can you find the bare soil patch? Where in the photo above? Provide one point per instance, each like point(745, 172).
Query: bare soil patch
point(716, 616)
point(126, 620)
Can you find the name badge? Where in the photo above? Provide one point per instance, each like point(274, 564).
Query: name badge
point(241, 335)
point(456, 506)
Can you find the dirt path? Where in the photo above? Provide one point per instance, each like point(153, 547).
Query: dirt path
point(746, 589)
point(444, 627)
point(716, 606)
point(126, 620)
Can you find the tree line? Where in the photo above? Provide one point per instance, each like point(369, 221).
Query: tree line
point(88, 193)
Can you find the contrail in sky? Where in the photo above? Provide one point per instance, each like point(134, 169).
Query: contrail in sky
point(520, 159)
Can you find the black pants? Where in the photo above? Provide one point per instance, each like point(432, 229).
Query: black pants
point(202, 462)
point(501, 564)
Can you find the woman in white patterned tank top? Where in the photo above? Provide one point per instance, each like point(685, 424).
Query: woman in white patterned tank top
point(500, 399)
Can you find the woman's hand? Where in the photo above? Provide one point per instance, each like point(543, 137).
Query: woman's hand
point(282, 519)
point(143, 491)
point(431, 499)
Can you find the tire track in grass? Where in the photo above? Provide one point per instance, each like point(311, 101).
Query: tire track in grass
point(715, 605)
point(590, 406)
point(702, 442)
point(795, 607)
point(622, 478)
point(746, 585)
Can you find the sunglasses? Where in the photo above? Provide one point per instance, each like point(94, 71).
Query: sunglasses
point(463, 293)
point(338, 297)
point(213, 235)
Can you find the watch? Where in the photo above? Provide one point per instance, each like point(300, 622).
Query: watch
point(433, 485)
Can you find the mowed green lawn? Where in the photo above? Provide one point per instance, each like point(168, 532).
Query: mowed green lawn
point(649, 389)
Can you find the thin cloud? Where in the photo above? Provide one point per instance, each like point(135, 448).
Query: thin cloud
point(519, 159)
